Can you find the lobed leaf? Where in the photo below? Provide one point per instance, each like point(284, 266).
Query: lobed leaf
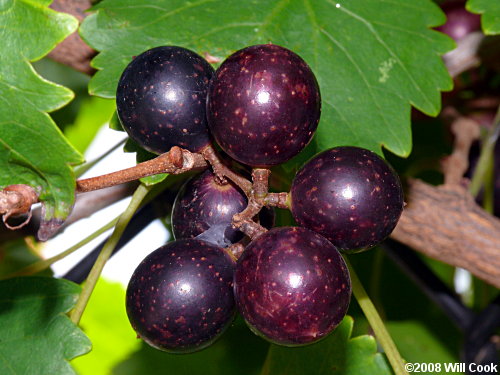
point(37, 338)
point(490, 11)
point(373, 58)
point(32, 149)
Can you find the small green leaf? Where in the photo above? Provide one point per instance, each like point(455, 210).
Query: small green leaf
point(336, 354)
point(32, 149)
point(115, 123)
point(37, 338)
point(373, 58)
point(490, 10)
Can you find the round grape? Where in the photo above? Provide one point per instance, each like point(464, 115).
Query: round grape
point(180, 298)
point(161, 99)
point(263, 105)
point(205, 207)
point(292, 286)
point(350, 195)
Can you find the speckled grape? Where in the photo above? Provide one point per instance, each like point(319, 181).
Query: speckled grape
point(263, 105)
point(180, 298)
point(350, 195)
point(161, 99)
point(204, 207)
point(292, 286)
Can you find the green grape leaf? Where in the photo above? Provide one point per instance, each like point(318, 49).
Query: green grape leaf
point(490, 10)
point(373, 58)
point(37, 338)
point(238, 351)
point(337, 354)
point(32, 149)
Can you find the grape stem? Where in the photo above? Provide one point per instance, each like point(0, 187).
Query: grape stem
point(137, 198)
point(176, 161)
point(260, 187)
point(221, 171)
point(280, 200)
point(376, 323)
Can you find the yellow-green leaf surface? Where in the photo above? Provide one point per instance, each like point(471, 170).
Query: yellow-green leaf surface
point(373, 58)
point(32, 149)
point(106, 324)
point(36, 336)
point(490, 11)
point(338, 354)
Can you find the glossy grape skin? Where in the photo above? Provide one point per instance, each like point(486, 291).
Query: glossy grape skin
point(263, 105)
point(204, 207)
point(292, 286)
point(161, 99)
point(350, 195)
point(180, 298)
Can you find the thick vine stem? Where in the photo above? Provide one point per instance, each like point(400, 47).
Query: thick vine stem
point(176, 161)
point(445, 223)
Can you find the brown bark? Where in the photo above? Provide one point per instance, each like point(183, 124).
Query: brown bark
point(73, 51)
point(445, 223)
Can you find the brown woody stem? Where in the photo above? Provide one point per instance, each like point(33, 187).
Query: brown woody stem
point(175, 161)
point(465, 131)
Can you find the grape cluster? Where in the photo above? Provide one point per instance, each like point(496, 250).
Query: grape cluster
point(291, 284)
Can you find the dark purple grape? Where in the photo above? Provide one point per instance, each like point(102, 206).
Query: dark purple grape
point(161, 99)
point(180, 298)
point(263, 105)
point(205, 208)
point(459, 21)
point(292, 286)
point(350, 195)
